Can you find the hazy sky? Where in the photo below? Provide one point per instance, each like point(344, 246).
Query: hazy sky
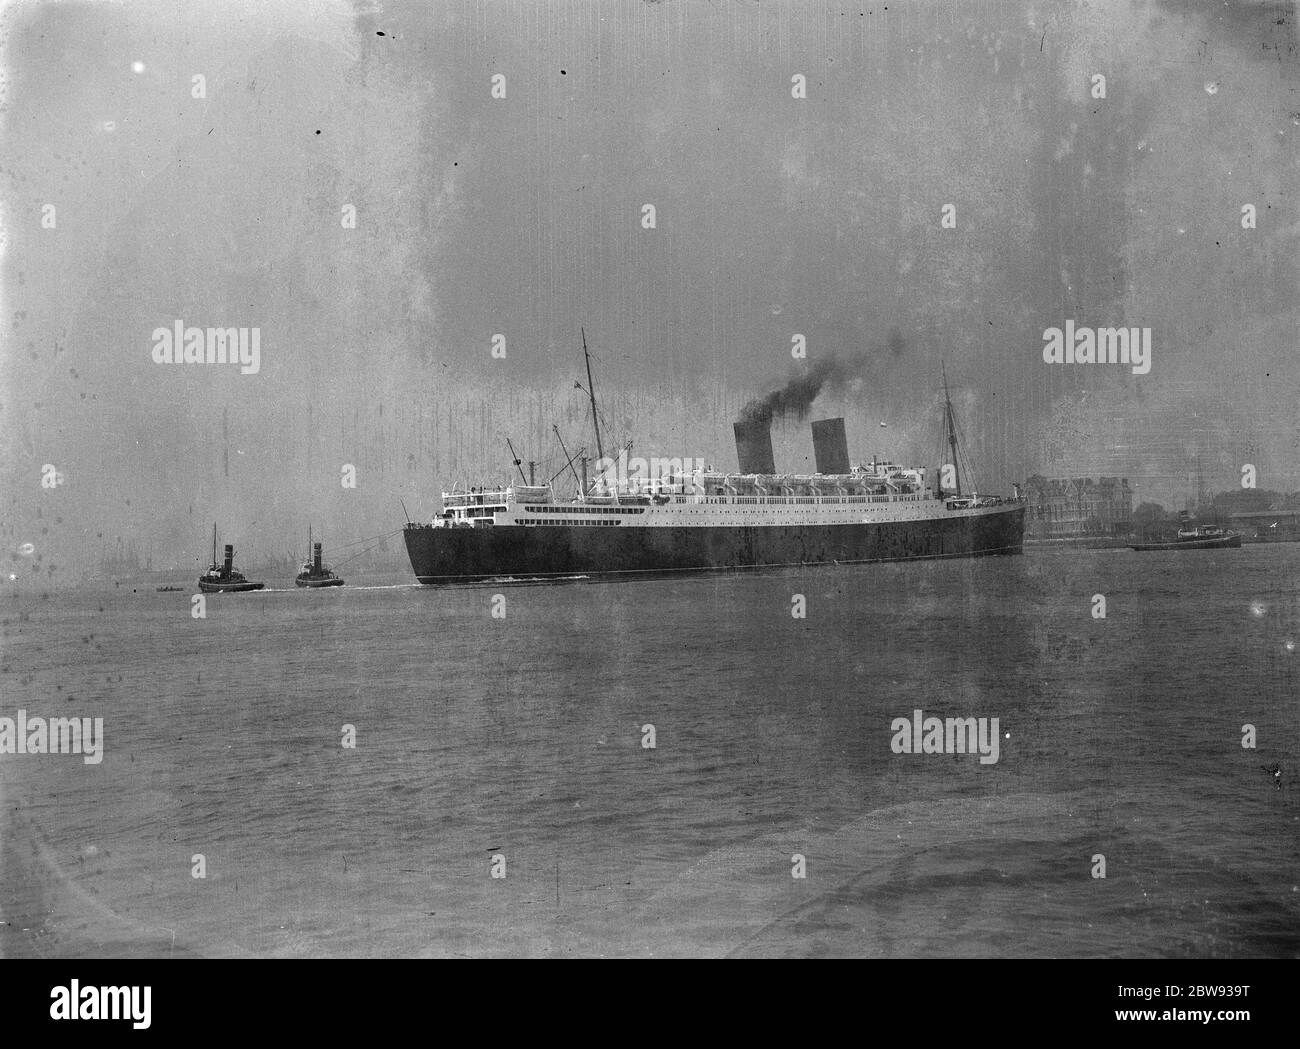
point(522, 216)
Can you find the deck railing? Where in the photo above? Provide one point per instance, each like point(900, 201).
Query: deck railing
point(799, 500)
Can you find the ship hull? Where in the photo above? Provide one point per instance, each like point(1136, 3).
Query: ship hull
point(228, 588)
point(1224, 542)
point(466, 555)
point(317, 584)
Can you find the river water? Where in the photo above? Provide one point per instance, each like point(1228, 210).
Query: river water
point(519, 745)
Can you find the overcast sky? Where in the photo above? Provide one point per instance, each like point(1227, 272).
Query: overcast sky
point(522, 216)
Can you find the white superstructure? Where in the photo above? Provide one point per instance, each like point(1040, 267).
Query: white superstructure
point(876, 492)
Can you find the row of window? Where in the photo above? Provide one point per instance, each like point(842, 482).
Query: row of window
point(785, 500)
point(782, 500)
point(780, 517)
point(585, 509)
point(587, 521)
point(815, 500)
point(573, 521)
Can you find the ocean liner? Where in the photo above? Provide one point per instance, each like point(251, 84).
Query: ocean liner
point(688, 520)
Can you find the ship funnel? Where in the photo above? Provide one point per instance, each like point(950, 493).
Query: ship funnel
point(315, 556)
point(830, 447)
point(754, 447)
point(230, 558)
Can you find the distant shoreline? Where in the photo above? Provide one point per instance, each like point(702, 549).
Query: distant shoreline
point(1102, 542)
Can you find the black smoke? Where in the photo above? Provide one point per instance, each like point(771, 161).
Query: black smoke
point(793, 402)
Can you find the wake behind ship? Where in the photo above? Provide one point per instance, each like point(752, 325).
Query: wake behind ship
point(705, 520)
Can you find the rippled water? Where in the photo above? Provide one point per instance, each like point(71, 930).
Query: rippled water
point(522, 738)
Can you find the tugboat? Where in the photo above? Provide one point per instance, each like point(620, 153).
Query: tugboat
point(1194, 537)
point(221, 578)
point(313, 573)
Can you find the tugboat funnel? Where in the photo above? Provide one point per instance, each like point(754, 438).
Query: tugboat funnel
point(230, 558)
point(315, 557)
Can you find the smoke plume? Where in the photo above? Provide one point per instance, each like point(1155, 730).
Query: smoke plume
point(793, 402)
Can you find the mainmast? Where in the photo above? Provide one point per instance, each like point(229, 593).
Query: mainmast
point(952, 429)
point(591, 392)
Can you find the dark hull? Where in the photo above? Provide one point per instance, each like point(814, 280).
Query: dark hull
point(1224, 542)
point(464, 555)
point(228, 588)
point(316, 584)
